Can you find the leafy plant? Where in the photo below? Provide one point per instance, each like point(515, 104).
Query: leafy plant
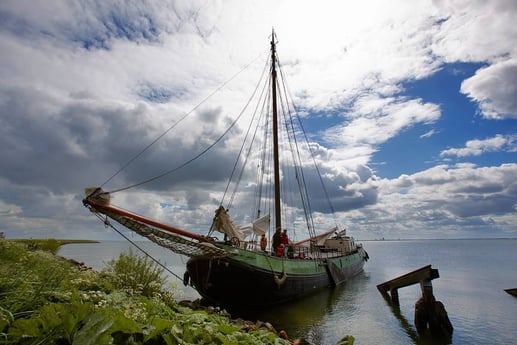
point(73, 323)
point(135, 274)
point(47, 300)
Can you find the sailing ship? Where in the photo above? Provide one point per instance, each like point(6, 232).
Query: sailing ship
point(234, 271)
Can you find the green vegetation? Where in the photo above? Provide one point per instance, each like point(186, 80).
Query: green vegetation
point(135, 274)
point(51, 245)
point(45, 299)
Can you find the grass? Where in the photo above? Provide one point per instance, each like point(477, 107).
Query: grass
point(45, 299)
point(50, 244)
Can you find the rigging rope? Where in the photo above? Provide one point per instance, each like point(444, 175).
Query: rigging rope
point(297, 160)
point(196, 156)
point(169, 129)
point(287, 92)
point(244, 143)
point(138, 247)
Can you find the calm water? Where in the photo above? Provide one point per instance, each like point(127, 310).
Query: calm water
point(473, 276)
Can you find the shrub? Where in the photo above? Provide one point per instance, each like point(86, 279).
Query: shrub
point(30, 279)
point(46, 300)
point(135, 274)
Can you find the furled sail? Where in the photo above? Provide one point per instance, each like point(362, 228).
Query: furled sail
point(224, 224)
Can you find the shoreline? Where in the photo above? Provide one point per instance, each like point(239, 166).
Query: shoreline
point(59, 300)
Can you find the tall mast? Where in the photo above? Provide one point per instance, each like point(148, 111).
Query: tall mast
point(278, 215)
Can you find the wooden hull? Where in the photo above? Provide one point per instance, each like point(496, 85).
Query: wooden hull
point(257, 280)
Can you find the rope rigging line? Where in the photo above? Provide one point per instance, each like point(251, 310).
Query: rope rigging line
point(267, 161)
point(290, 130)
point(234, 170)
point(170, 128)
point(138, 247)
point(201, 153)
point(306, 139)
point(261, 166)
point(299, 171)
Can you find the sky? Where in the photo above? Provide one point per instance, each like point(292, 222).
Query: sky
point(412, 106)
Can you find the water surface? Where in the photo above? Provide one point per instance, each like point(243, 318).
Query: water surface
point(473, 276)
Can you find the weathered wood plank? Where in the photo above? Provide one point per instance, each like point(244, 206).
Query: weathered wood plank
point(416, 276)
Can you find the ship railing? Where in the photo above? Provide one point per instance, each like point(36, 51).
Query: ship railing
point(332, 251)
point(298, 252)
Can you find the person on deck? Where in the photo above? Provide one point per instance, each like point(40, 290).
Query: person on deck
point(263, 242)
point(285, 242)
point(285, 238)
point(277, 240)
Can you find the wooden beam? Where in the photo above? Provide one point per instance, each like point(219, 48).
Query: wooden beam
point(420, 275)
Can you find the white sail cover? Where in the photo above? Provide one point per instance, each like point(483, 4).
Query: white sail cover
point(223, 223)
point(261, 225)
point(258, 227)
point(317, 240)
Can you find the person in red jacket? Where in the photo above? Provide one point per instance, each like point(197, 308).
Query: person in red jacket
point(285, 242)
point(285, 238)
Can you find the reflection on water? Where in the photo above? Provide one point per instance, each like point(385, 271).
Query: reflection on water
point(410, 330)
point(315, 317)
point(404, 323)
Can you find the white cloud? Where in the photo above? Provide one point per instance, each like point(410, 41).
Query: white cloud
point(475, 30)
point(446, 201)
point(9, 209)
point(483, 31)
point(478, 147)
point(429, 133)
point(495, 89)
point(374, 120)
point(86, 86)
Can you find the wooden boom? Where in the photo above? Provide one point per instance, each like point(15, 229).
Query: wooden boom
point(101, 205)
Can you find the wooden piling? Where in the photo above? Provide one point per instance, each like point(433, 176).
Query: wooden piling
point(430, 315)
point(420, 275)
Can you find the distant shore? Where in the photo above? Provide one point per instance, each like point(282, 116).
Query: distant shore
point(61, 242)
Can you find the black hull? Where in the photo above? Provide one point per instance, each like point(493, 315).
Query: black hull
point(234, 284)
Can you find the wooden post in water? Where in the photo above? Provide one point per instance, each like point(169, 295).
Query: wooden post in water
point(430, 315)
point(425, 273)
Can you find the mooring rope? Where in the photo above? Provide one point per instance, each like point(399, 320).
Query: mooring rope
point(279, 281)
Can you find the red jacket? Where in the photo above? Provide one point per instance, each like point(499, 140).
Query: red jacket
point(285, 239)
